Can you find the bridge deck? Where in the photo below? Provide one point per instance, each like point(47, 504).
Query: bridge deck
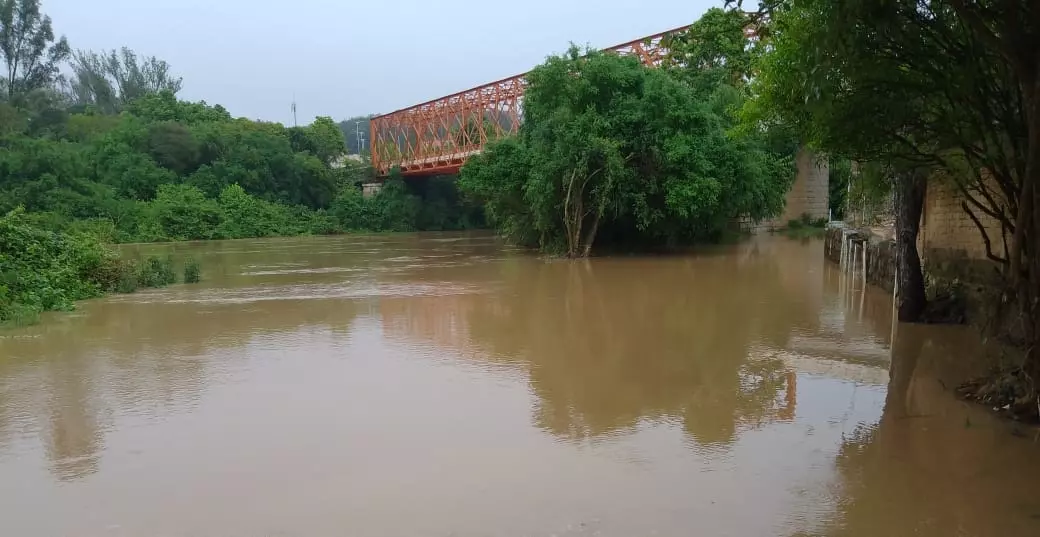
point(436, 165)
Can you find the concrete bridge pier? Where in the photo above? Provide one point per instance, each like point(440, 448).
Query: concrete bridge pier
point(810, 193)
point(371, 189)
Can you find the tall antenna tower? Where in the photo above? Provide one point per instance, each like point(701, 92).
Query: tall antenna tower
point(294, 123)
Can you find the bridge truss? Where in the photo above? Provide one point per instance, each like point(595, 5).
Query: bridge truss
point(436, 137)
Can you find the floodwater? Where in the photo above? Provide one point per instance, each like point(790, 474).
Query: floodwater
point(446, 385)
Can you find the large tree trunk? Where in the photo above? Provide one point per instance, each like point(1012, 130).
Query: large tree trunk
point(1027, 234)
point(909, 189)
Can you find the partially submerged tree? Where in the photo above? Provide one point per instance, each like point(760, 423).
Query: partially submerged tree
point(609, 146)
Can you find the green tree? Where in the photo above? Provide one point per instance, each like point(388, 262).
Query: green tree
point(393, 209)
point(259, 157)
point(496, 178)
point(443, 207)
point(45, 175)
point(349, 209)
point(246, 216)
point(28, 48)
point(110, 80)
point(122, 161)
point(88, 128)
point(714, 50)
point(610, 145)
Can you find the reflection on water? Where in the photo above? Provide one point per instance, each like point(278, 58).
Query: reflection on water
point(446, 385)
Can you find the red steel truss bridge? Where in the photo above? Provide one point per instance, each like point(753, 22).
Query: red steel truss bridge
point(436, 137)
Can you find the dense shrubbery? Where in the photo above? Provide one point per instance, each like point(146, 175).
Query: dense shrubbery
point(167, 170)
point(42, 270)
point(170, 170)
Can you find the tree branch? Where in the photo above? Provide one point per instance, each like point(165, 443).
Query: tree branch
point(983, 31)
point(985, 236)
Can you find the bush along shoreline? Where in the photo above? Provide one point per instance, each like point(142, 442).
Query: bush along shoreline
point(43, 270)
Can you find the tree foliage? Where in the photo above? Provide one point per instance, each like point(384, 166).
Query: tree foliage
point(111, 80)
point(322, 138)
point(611, 148)
point(27, 46)
point(938, 92)
point(714, 50)
point(164, 106)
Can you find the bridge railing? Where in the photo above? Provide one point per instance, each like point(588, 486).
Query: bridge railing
point(436, 137)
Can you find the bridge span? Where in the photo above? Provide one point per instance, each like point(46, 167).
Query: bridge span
point(436, 137)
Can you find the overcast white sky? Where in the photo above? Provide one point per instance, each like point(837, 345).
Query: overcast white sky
point(349, 57)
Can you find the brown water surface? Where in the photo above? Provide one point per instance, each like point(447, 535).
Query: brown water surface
point(446, 385)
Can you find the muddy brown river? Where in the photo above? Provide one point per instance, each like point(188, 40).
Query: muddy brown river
point(447, 385)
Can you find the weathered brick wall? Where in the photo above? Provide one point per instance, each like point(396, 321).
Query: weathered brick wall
point(945, 225)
